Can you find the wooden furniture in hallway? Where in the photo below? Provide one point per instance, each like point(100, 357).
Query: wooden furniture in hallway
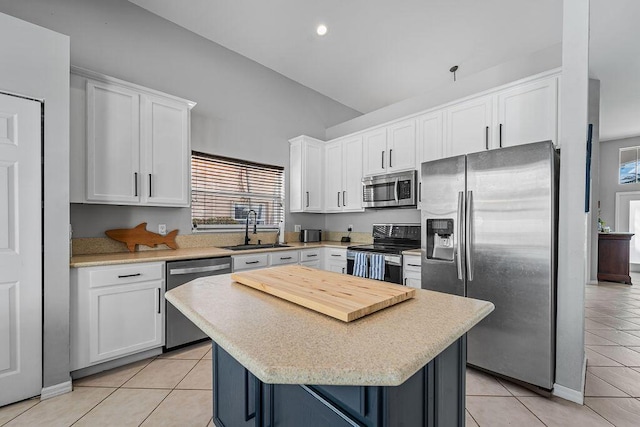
point(613, 257)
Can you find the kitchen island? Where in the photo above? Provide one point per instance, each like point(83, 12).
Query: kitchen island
point(276, 363)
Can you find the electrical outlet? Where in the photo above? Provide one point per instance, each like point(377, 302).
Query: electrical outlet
point(162, 229)
point(350, 227)
point(297, 227)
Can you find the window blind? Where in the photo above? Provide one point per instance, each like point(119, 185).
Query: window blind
point(224, 190)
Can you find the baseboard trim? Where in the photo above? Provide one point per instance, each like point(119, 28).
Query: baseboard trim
point(55, 390)
point(593, 282)
point(569, 393)
point(116, 363)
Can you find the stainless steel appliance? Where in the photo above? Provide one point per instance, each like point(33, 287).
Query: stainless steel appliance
point(180, 330)
point(490, 232)
point(394, 190)
point(309, 235)
point(390, 240)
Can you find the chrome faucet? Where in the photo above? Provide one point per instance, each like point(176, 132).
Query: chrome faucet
point(255, 226)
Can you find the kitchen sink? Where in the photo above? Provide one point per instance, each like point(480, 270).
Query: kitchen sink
point(249, 247)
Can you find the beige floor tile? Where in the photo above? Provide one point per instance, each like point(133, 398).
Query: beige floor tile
point(208, 355)
point(481, 384)
point(62, 410)
point(200, 377)
point(495, 411)
point(636, 333)
point(596, 387)
point(597, 359)
point(161, 373)
point(183, 408)
point(626, 379)
point(210, 423)
point(9, 412)
point(620, 412)
point(593, 323)
point(516, 389)
point(618, 337)
point(195, 351)
point(125, 407)
point(618, 353)
point(555, 412)
point(591, 339)
point(635, 311)
point(614, 322)
point(113, 377)
point(469, 421)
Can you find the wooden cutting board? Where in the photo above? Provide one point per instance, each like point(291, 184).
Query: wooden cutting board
point(337, 295)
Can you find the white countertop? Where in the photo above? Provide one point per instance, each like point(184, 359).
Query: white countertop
point(283, 343)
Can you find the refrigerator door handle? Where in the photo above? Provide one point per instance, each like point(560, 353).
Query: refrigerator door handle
point(458, 246)
point(469, 235)
point(395, 190)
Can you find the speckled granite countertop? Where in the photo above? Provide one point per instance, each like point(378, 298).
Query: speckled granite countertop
point(282, 343)
point(183, 253)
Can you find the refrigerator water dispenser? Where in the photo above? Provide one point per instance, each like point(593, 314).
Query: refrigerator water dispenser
point(440, 239)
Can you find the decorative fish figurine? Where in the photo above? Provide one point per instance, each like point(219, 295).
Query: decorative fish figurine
point(140, 236)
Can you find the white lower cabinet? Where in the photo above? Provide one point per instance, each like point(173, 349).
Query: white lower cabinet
point(283, 258)
point(335, 259)
point(250, 262)
point(412, 271)
point(311, 258)
point(115, 311)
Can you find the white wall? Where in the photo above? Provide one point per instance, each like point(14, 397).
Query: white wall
point(609, 182)
point(594, 119)
point(35, 63)
point(244, 109)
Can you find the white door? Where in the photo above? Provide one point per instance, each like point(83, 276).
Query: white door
point(401, 146)
point(333, 177)
point(468, 127)
point(20, 249)
point(165, 152)
point(113, 144)
point(528, 113)
point(375, 159)
point(352, 174)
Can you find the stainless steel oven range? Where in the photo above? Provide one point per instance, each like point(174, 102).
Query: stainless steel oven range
point(389, 240)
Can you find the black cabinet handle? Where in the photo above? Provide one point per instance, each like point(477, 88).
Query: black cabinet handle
point(307, 199)
point(500, 135)
point(338, 199)
point(420, 192)
point(383, 160)
point(158, 300)
point(129, 275)
point(149, 185)
point(285, 257)
point(344, 197)
point(414, 265)
point(390, 152)
point(135, 179)
point(251, 262)
point(336, 255)
point(405, 281)
point(311, 255)
point(486, 137)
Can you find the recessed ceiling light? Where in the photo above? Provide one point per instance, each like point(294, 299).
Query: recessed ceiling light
point(321, 30)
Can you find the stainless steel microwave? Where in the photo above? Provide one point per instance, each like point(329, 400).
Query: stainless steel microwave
point(394, 190)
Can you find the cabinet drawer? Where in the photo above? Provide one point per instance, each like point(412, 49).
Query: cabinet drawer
point(412, 264)
point(124, 274)
point(285, 257)
point(248, 262)
point(336, 254)
point(309, 255)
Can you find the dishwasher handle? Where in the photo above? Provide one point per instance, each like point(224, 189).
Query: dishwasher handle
point(191, 270)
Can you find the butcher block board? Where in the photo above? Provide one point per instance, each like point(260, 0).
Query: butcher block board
point(341, 296)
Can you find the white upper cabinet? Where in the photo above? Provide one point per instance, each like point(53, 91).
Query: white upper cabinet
point(401, 145)
point(429, 143)
point(390, 149)
point(166, 153)
point(375, 157)
point(468, 126)
point(343, 175)
point(113, 144)
point(129, 145)
point(528, 113)
point(305, 174)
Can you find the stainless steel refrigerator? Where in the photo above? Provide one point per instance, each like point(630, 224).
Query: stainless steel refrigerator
point(489, 231)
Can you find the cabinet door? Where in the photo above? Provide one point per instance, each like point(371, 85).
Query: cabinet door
point(401, 146)
point(468, 127)
point(113, 144)
point(429, 143)
point(352, 175)
point(528, 113)
point(125, 319)
point(333, 177)
point(165, 152)
point(234, 391)
point(313, 178)
point(375, 159)
point(295, 176)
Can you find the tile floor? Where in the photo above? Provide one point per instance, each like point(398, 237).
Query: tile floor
point(175, 389)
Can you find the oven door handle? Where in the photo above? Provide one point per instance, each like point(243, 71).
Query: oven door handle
point(395, 190)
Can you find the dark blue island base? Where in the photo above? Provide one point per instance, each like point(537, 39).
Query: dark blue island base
point(433, 396)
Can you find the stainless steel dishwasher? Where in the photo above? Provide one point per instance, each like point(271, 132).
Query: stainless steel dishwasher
point(180, 330)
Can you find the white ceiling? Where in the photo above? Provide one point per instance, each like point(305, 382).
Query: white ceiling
point(379, 52)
